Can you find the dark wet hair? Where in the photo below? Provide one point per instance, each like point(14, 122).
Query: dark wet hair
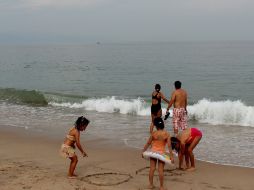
point(81, 121)
point(178, 84)
point(158, 122)
point(174, 142)
point(157, 87)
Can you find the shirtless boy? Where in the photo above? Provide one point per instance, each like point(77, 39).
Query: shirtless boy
point(179, 100)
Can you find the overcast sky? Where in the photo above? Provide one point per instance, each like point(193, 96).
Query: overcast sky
point(89, 21)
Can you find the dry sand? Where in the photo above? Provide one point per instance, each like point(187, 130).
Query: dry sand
point(28, 161)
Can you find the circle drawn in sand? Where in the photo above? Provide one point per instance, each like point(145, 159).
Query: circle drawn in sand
point(167, 172)
point(107, 179)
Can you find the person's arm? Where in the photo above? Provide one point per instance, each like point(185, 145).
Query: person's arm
point(77, 137)
point(186, 103)
point(164, 98)
point(148, 143)
point(170, 149)
point(172, 100)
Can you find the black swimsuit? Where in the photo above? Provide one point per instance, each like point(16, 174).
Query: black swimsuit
point(155, 108)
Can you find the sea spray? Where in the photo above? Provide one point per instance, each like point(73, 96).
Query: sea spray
point(111, 105)
point(204, 111)
point(222, 112)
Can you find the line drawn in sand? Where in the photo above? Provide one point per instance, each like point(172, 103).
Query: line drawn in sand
point(167, 172)
point(106, 179)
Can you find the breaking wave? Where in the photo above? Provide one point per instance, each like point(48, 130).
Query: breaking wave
point(222, 112)
point(204, 111)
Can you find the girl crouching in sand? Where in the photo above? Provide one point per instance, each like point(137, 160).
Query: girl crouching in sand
point(68, 147)
point(158, 139)
point(184, 143)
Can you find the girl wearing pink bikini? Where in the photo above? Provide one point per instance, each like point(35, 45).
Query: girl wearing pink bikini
point(184, 143)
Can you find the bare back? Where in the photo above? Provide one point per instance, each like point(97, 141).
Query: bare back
point(156, 96)
point(160, 139)
point(179, 98)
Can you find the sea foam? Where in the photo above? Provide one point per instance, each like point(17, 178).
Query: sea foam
point(222, 112)
point(204, 111)
point(111, 105)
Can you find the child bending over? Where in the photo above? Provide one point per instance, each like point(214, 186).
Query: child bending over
point(68, 147)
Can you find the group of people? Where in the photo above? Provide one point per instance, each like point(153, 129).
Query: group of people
point(183, 141)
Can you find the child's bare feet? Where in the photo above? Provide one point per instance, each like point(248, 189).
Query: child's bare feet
point(191, 169)
point(74, 176)
point(150, 187)
point(162, 188)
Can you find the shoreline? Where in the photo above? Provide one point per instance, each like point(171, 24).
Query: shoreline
point(30, 161)
point(23, 132)
point(211, 162)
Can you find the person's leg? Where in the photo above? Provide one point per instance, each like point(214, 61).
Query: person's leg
point(151, 173)
point(74, 161)
point(161, 173)
point(175, 130)
point(176, 126)
point(151, 125)
point(185, 120)
point(175, 121)
point(190, 151)
point(187, 157)
point(159, 113)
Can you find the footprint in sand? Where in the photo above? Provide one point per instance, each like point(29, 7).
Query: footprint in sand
point(27, 187)
point(106, 179)
point(208, 185)
point(80, 188)
point(224, 187)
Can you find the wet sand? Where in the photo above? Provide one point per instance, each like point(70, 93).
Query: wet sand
point(29, 161)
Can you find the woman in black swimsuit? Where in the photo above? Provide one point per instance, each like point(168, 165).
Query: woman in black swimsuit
point(156, 111)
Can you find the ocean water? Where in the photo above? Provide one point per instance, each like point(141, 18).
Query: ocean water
point(45, 88)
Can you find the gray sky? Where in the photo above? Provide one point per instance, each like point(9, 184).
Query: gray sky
point(89, 21)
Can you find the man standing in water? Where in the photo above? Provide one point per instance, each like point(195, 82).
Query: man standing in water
point(179, 99)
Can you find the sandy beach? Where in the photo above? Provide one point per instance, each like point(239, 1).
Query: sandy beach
point(120, 65)
point(29, 161)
